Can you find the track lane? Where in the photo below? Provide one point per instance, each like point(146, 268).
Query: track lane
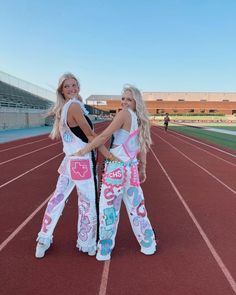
point(64, 270)
point(62, 264)
point(224, 171)
point(183, 264)
point(220, 150)
point(20, 198)
point(230, 159)
point(18, 148)
point(24, 185)
point(210, 201)
point(178, 268)
point(17, 167)
point(20, 142)
point(25, 154)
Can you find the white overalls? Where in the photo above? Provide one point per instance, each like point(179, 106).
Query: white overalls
point(74, 172)
point(121, 182)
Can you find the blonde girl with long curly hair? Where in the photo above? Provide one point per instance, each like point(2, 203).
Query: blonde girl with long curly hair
point(73, 126)
point(60, 102)
point(121, 179)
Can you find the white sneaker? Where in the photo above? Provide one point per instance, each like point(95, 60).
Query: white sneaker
point(41, 249)
point(100, 257)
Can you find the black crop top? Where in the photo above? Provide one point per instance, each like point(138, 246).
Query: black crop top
point(79, 132)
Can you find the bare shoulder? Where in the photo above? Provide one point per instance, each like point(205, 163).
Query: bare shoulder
point(75, 108)
point(124, 113)
point(75, 105)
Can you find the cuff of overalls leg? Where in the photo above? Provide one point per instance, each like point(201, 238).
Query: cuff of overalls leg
point(44, 240)
point(149, 250)
point(89, 249)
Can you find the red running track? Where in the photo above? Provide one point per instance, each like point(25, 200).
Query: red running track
point(190, 196)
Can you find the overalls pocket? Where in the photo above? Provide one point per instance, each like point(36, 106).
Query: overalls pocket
point(80, 169)
point(115, 174)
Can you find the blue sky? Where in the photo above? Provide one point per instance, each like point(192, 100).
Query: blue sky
point(158, 45)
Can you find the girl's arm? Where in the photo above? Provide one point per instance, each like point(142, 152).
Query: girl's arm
point(116, 124)
point(142, 157)
point(77, 116)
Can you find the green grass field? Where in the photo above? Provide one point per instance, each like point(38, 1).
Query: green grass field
point(232, 128)
point(221, 139)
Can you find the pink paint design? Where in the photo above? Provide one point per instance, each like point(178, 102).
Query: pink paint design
point(46, 221)
point(80, 169)
point(85, 228)
point(141, 211)
point(84, 207)
point(109, 195)
point(134, 178)
point(54, 202)
point(131, 145)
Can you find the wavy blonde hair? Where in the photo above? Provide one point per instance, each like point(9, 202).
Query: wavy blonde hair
point(143, 118)
point(60, 102)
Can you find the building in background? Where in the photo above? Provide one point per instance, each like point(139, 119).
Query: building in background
point(174, 102)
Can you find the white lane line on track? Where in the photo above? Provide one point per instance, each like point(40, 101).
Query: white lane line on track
point(22, 225)
point(104, 279)
point(203, 143)
point(28, 171)
point(201, 149)
point(213, 251)
point(34, 151)
point(17, 146)
point(208, 172)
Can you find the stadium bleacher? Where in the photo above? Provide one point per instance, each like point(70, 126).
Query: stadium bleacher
point(11, 96)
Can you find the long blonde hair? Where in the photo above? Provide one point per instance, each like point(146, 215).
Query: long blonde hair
point(60, 102)
point(143, 118)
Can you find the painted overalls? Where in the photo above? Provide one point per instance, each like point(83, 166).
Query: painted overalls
point(121, 182)
point(74, 172)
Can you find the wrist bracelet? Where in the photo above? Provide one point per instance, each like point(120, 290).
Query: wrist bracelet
point(111, 157)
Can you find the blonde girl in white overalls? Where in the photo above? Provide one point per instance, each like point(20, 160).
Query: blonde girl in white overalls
point(74, 128)
point(121, 180)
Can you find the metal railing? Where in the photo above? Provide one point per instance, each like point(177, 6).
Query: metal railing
point(27, 86)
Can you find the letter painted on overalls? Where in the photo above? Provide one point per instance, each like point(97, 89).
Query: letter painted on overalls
point(109, 195)
point(141, 210)
point(114, 174)
point(148, 238)
point(110, 215)
point(133, 192)
point(46, 221)
point(54, 202)
point(67, 136)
